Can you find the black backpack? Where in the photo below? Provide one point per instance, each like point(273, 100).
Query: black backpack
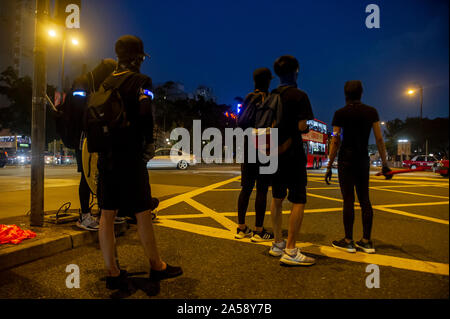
point(105, 114)
point(69, 118)
point(248, 116)
point(270, 112)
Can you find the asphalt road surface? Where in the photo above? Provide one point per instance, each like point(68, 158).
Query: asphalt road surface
point(196, 226)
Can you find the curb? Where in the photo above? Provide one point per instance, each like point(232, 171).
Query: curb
point(27, 252)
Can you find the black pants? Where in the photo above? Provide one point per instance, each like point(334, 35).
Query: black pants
point(84, 192)
point(355, 175)
point(250, 176)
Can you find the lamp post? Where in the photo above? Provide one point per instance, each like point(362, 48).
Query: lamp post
point(412, 91)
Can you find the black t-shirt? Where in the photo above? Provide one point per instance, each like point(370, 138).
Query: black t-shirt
point(129, 141)
point(296, 107)
point(356, 120)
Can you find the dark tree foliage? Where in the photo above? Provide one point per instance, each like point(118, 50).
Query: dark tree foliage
point(435, 131)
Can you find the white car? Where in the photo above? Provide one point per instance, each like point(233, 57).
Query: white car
point(168, 158)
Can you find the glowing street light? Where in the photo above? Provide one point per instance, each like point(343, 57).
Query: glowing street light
point(52, 33)
point(411, 92)
point(75, 41)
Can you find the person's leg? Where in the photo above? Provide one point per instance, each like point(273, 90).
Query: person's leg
point(347, 184)
point(107, 241)
point(84, 193)
point(276, 215)
point(362, 190)
point(147, 236)
point(260, 204)
point(247, 184)
point(295, 223)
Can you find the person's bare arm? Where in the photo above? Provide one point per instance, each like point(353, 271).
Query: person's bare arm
point(380, 142)
point(334, 145)
point(302, 126)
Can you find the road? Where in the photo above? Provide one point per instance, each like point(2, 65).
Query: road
point(196, 226)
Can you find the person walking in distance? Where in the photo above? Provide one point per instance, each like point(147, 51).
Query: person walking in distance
point(352, 125)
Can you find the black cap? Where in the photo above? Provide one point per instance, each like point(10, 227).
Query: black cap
point(129, 46)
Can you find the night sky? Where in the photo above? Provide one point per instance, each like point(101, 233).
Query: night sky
point(219, 44)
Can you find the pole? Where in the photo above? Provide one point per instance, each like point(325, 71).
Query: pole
point(63, 53)
point(38, 116)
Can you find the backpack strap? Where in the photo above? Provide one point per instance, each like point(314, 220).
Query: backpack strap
point(115, 80)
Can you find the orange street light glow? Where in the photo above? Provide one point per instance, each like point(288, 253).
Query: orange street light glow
point(75, 42)
point(410, 92)
point(52, 33)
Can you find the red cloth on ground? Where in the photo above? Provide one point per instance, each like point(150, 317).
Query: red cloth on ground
point(12, 234)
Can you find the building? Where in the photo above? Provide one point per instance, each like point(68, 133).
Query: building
point(204, 92)
point(17, 34)
point(171, 91)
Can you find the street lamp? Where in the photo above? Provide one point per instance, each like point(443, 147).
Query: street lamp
point(412, 91)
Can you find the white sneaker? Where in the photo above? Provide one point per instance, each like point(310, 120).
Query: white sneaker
point(277, 248)
point(296, 259)
point(88, 223)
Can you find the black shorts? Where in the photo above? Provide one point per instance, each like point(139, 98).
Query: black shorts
point(290, 176)
point(125, 187)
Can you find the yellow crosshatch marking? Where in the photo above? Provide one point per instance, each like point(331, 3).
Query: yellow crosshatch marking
point(173, 220)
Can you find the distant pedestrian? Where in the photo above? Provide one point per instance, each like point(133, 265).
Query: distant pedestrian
point(123, 177)
point(352, 125)
point(250, 171)
point(291, 173)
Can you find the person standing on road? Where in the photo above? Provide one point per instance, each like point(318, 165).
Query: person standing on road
point(291, 173)
point(82, 87)
point(250, 171)
point(353, 124)
point(123, 177)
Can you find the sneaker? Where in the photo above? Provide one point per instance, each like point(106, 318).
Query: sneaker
point(88, 223)
point(169, 272)
point(343, 245)
point(120, 282)
point(296, 259)
point(277, 248)
point(240, 234)
point(261, 236)
point(365, 247)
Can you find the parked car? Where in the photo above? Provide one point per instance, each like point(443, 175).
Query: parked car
point(442, 167)
point(426, 161)
point(3, 158)
point(167, 158)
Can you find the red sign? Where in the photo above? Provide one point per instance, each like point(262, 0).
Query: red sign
point(313, 136)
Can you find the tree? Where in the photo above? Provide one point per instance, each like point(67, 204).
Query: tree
point(435, 131)
point(17, 116)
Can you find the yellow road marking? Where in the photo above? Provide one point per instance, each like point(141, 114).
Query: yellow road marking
point(399, 212)
point(409, 193)
point(414, 204)
point(224, 221)
point(381, 260)
point(180, 198)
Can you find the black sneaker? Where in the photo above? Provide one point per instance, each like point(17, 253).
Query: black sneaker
point(365, 247)
point(240, 234)
point(344, 245)
point(120, 282)
point(169, 272)
point(262, 236)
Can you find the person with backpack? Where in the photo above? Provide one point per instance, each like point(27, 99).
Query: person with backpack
point(250, 171)
point(290, 179)
point(119, 126)
point(352, 124)
point(69, 125)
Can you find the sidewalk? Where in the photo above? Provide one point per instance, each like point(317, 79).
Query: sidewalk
point(50, 239)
